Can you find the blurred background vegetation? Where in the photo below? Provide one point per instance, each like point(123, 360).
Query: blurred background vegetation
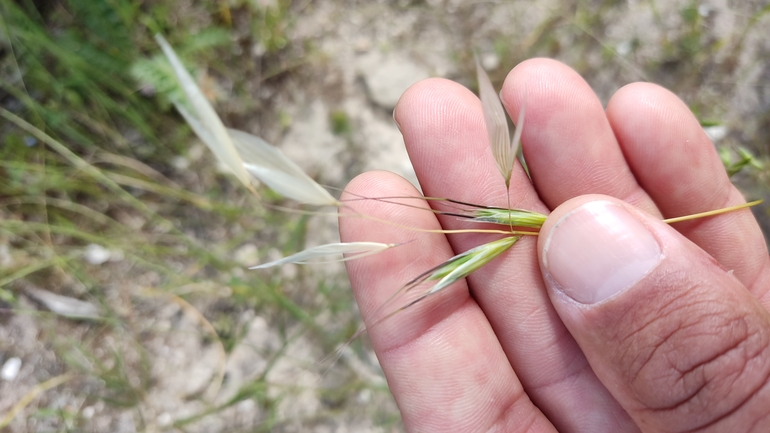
point(123, 247)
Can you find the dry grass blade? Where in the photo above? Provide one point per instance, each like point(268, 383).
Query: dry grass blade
point(497, 125)
point(215, 137)
point(34, 392)
point(270, 166)
point(354, 250)
point(712, 212)
point(216, 381)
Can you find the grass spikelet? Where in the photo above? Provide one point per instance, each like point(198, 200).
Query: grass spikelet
point(275, 170)
point(243, 153)
point(497, 125)
point(445, 274)
point(505, 217)
point(468, 262)
point(353, 250)
point(210, 128)
point(509, 217)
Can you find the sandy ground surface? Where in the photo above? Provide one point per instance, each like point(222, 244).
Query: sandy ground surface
point(367, 53)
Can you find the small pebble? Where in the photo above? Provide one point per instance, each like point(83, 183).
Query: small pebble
point(165, 419)
point(10, 369)
point(490, 61)
point(716, 133)
point(96, 254)
point(88, 412)
point(624, 48)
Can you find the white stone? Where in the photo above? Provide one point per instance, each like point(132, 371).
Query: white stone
point(10, 369)
point(164, 419)
point(88, 412)
point(64, 305)
point(246, 255)
point(490, 61)
point(180, 163)
point(96, 254)
point(388, 76)
point(716, 133)
point(6, 259)
point(624, 48)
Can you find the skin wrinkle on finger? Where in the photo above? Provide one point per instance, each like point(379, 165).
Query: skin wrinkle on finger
point(704, 384)
point(740, 339)
point(689, 155)
point(423, 123)
point(647, 323)
point(556, 370)
point(666, 348)
point(693, 346)
point(760, 284)
point(531, 333)
point(513, 420)
point(484, 418)
point(444, 387)
point(681, 368)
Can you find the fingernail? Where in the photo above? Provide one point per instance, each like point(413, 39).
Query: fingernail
point(398, 125)
point(597, 251)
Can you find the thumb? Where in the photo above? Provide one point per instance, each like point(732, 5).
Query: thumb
point(679, 342)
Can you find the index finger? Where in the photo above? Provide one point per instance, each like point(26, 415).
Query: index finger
point(444, 364)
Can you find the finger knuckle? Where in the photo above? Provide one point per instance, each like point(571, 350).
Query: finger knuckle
point(707, 365)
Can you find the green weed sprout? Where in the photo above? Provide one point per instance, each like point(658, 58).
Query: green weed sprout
point(252, 160)
point(745, 159)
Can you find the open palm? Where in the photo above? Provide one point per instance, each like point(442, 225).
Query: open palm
point(491, 353)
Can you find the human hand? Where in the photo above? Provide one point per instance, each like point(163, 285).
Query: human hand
point(609, 320)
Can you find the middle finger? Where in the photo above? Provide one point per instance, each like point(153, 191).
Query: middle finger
point(444, 131)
